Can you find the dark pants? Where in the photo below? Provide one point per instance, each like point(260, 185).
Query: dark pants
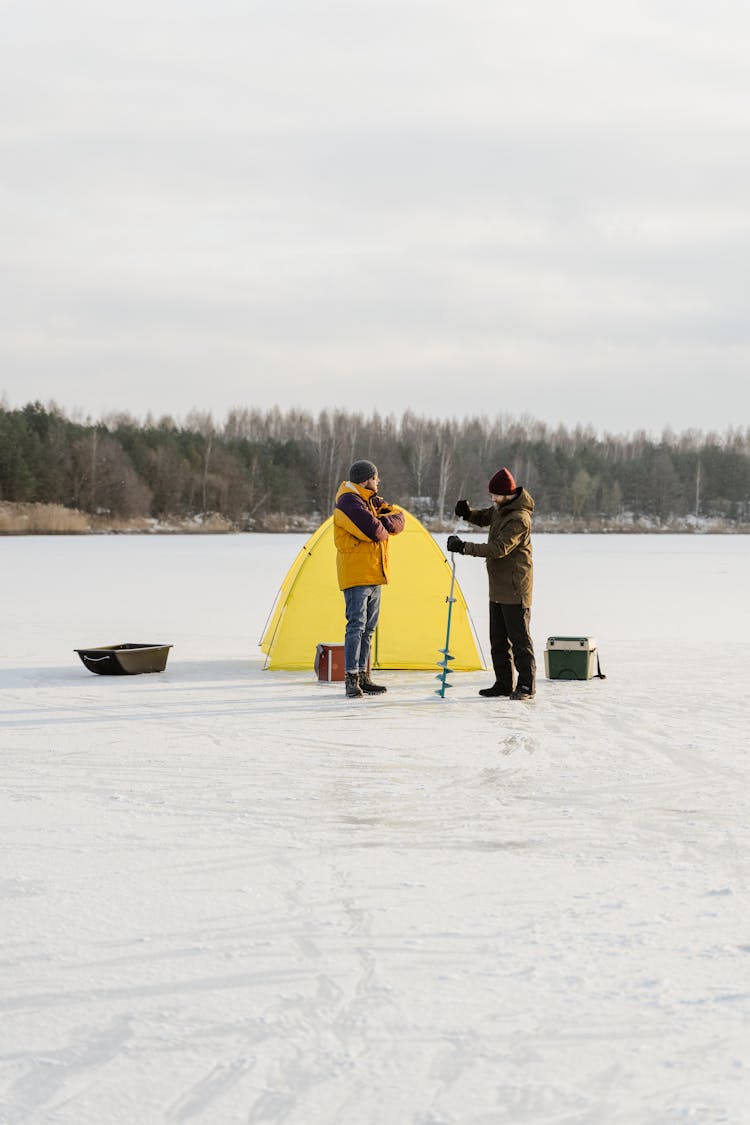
point(510, 643)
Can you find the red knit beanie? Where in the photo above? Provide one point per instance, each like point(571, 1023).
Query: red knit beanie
point(502, 484)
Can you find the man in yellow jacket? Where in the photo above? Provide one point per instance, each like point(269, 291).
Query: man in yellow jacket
point(362, 526)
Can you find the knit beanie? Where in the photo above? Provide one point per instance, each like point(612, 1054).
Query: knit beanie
point(502, 484)
point(362, 471)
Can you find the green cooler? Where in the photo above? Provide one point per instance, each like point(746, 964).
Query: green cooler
point(570, 658)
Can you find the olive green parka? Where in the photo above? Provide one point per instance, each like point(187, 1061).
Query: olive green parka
point(510, 568)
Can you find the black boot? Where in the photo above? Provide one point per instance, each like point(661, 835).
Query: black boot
point(368, 687)
point(496, 689)
point(351, 686)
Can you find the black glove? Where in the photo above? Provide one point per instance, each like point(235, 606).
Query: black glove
point(463, 509)
point(455, 544)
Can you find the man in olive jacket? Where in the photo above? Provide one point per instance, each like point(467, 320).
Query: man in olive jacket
point(511, 573)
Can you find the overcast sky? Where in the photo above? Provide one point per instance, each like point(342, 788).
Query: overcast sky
point(478, 206)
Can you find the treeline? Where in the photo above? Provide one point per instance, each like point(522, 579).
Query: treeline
point(259, 464)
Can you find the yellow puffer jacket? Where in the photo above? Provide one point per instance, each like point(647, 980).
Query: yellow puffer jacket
point(362, 525)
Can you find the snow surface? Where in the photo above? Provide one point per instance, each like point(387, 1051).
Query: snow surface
point(229, 894)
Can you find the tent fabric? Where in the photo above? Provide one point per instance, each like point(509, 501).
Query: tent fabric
point(309, 608)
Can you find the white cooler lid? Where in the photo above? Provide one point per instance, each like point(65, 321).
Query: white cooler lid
point(570, 644)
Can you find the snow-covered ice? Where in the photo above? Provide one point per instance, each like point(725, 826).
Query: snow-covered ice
point(229, 894)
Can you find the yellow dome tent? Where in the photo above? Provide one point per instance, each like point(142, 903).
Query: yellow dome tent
point(309, 608)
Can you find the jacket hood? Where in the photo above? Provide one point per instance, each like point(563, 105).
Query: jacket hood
point(357, 489)
point(521, 502)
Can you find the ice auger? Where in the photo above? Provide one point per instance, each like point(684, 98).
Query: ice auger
point(443, 676)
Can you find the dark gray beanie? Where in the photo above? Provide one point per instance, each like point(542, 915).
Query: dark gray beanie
point(362, 471)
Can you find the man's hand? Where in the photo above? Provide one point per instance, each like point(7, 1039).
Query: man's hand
point(455, 544)
point(463, 509)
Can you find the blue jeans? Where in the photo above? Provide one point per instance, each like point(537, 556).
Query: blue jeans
point(362, 612)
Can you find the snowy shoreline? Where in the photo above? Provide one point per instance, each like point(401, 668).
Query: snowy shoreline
point(51, 519)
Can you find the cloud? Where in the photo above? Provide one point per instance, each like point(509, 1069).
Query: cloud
point(260, 202)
